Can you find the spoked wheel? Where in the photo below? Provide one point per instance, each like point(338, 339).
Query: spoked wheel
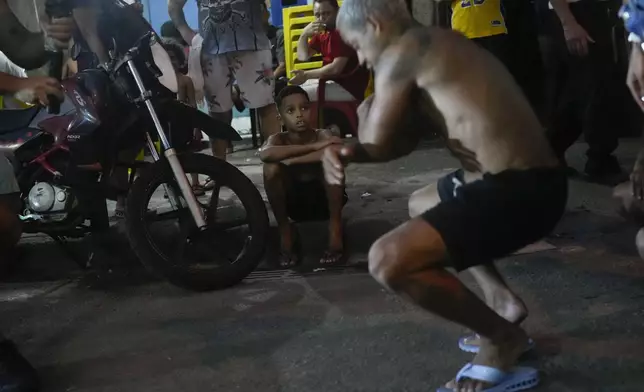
point(164, 236)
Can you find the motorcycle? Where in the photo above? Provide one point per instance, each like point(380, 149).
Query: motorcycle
point(63, 165)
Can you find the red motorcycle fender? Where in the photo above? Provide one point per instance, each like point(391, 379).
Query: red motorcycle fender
point(183, 115)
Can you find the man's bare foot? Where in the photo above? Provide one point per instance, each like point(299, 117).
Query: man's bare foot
point(506, 305)
point(501, 355)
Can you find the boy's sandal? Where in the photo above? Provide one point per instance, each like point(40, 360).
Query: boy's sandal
point(332, 257)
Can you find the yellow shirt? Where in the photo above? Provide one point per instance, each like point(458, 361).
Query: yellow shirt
point(478, 18)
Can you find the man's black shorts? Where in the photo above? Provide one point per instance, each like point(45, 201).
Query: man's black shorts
point(497, 215)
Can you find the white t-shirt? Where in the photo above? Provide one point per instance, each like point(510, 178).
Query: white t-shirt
point(8, 67)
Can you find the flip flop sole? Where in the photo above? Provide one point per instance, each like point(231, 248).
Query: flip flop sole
point(518, 379)
point(474, 349)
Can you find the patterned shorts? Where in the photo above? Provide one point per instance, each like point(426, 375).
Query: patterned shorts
point(250, 70)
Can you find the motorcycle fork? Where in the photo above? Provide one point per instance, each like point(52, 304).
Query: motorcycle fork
point(170, 154)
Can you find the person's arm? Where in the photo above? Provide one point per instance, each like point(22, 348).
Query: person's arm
point(86, 18)
point(175, 10)
point(576, 36)
point(381, 136)
point(308, 44)
point(10, 84)
point(315, 156)
point(335, 68)
point(274, 150)
point(281, 57)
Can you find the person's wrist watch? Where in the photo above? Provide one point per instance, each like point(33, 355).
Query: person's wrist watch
point(635, 39)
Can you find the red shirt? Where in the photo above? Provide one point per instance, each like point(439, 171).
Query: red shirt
point(331, 46)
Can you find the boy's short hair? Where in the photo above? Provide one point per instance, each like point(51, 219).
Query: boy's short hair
point(169, 30)
point(288, 91)
point(333, 3)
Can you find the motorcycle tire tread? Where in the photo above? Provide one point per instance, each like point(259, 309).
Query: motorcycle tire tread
point(191, 278)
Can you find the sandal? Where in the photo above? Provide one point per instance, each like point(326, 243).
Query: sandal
point(209, 184)
point(333, 257)
point(198, 190)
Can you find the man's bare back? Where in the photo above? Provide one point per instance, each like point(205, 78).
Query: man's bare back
point(489, 124)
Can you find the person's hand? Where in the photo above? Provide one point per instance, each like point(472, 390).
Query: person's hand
point(313, 28)
point(60, 31)
point(637, 177)
point(335, 159)
point(577, 39)
point(41, 87)
point(635, 75)
point(299, 77)
point(138, 7)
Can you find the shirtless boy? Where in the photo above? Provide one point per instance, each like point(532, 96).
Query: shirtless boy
point(294, 180)
point(511, 191)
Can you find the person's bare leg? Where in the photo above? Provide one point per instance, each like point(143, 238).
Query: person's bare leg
point(269, 123)
point(410, 261)
point(218, 146)
point(275, 186)
point(496, 292)
point(335, 198)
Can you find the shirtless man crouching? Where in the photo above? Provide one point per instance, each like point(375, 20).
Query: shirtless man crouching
point(511, 193)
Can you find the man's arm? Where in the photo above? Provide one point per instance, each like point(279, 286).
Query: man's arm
point(275, 151)
point(305, 48)
point(175, 10)
point(576, 36)
point(382, 137)
point(86, 18)
point(335, 68)
point(281, 56)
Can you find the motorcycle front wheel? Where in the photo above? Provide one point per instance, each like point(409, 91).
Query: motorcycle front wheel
point(214, 258)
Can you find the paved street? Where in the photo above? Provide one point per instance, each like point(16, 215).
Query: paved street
point(320, 330)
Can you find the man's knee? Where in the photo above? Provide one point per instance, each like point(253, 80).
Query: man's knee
point(385, 258)
point(272, 171)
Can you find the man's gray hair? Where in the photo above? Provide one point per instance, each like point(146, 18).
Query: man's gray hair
point(354, 13)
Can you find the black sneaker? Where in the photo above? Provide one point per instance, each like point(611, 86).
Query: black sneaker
point(16, 373)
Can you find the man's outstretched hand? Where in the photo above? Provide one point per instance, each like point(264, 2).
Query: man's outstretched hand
point(335, 159)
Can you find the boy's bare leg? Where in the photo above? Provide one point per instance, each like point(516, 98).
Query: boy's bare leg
point(335, 198)
point(275, 186)
point(410, 261)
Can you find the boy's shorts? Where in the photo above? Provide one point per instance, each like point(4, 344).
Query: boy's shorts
point(497, 215)
point(306, 198)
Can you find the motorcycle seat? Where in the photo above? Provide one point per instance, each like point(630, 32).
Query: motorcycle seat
point(12, 120)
